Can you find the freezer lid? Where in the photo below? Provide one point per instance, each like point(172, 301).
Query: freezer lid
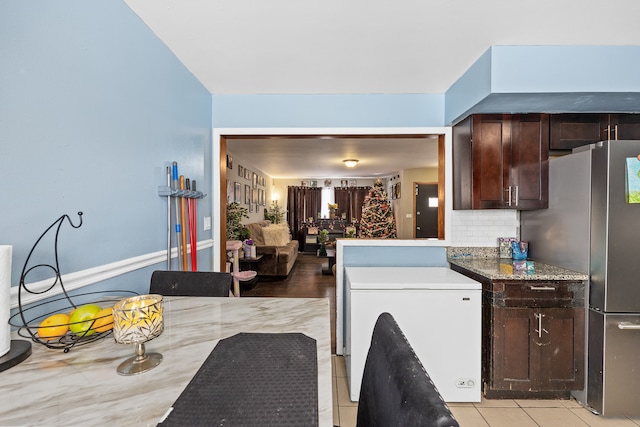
point(408, 278)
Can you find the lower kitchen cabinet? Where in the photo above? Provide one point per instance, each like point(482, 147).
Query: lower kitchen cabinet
point(534, 350)
point(533, 336)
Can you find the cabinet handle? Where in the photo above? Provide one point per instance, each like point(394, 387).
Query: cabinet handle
point(615, 131)
point(628, 325)
point(540, 329)
point(516, 195)
point(542, 288)
point(508, 190)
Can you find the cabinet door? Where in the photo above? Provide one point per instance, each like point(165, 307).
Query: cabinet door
point(529, 187)
point(512, 356)
point(558, 336)
point(569, 131)
point(625, 126)
point(537, 349)
point(491, 154)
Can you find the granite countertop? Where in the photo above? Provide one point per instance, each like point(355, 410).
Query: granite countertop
point(503, 269)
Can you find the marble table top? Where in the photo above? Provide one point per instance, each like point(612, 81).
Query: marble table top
point(82, 387)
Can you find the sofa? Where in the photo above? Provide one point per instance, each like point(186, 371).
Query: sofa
point(274, 242)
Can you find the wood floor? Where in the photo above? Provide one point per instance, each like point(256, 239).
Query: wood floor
point(304, 281)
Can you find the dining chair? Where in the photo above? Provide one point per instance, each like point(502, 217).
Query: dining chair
point(396, 390)
point(191, 283)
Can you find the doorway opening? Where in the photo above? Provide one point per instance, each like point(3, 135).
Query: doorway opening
point(220, 174)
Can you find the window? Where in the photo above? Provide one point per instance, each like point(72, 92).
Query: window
point(327, 197)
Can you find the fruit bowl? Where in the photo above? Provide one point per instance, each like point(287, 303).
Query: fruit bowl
point(64, 331)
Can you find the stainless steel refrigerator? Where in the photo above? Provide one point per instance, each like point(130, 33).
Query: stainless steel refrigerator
point(592, 226)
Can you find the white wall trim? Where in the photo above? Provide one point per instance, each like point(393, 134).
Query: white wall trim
point(79, 279)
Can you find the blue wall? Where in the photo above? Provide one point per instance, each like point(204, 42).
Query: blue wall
point(522, 79)
point(93, 106)
point(372, 110)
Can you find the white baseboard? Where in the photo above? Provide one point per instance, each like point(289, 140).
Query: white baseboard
point(79, 279)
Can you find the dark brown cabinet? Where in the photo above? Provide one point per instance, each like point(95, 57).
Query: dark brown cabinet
point(569, 131)
point(535, 350)
point(501, 162)
point(533, 336)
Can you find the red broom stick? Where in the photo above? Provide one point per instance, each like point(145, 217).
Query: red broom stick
point(193, 229)
point(183, 209)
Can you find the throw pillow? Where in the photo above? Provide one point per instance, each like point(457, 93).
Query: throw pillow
point(275, 236)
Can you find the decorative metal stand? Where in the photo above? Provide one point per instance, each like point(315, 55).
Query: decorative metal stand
point(28, 325)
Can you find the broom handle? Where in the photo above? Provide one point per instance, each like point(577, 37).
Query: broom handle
point(168, 220)
point(183, 208)
point(194, 231)
point(176, 186)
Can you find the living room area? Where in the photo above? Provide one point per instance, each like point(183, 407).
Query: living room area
point(318, 197)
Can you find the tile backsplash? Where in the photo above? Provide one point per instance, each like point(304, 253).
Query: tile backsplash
point(475, 228)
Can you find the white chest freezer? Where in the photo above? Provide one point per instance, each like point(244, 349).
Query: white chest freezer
point(438, 310)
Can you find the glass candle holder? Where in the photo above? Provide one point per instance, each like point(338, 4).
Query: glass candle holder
point(137, 320)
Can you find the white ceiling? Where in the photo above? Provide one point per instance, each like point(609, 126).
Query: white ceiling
point(363, 46)
point(322, 157)
point(367, 46)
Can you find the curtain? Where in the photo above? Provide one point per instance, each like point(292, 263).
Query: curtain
point(350, 200)
point(302, 203)
point(342, 196)
point(357, 197)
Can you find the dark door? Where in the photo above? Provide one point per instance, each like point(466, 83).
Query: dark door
point(426, 209)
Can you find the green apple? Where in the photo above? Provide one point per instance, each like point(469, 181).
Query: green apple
point(81, 319)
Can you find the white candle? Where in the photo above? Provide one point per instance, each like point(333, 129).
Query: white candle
point(5, 298)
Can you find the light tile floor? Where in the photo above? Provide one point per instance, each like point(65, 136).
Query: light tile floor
point(488, 413)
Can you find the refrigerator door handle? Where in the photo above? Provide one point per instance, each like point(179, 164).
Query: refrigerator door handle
point(628, 325)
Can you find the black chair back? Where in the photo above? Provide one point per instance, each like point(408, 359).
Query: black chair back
point(396, 389)
point(191, 283)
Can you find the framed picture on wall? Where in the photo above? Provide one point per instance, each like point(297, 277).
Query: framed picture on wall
point(237, 192)
point(240, 171)
point(304, 183)
point(344, 183)
point(247, 194)
point(229, 191)
point(250, 207)
point(229, 162)
point(254, 181)
point(247, 174)
point(398, 190)
point(353, 183)
point(313, 183)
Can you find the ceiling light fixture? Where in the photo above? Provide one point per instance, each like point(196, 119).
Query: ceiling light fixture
point(350, 162)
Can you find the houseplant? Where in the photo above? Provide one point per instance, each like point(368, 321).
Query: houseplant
point(323, 236)
point(235, 229)
point(275, 213)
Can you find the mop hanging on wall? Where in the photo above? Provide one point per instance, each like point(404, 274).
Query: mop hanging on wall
point(182, 219)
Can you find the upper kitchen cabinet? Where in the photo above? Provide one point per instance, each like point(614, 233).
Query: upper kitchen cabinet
point(501, 161)
point(569, 131)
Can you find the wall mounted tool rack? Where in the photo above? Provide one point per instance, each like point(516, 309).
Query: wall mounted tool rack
point(165, 191)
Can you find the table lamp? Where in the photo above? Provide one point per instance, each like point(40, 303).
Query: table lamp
point(137, 320)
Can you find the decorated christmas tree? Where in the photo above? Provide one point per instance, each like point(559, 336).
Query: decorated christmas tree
point(377, 217)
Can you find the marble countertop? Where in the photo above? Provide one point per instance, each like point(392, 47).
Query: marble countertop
point(503, 269)
point(82, 387)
